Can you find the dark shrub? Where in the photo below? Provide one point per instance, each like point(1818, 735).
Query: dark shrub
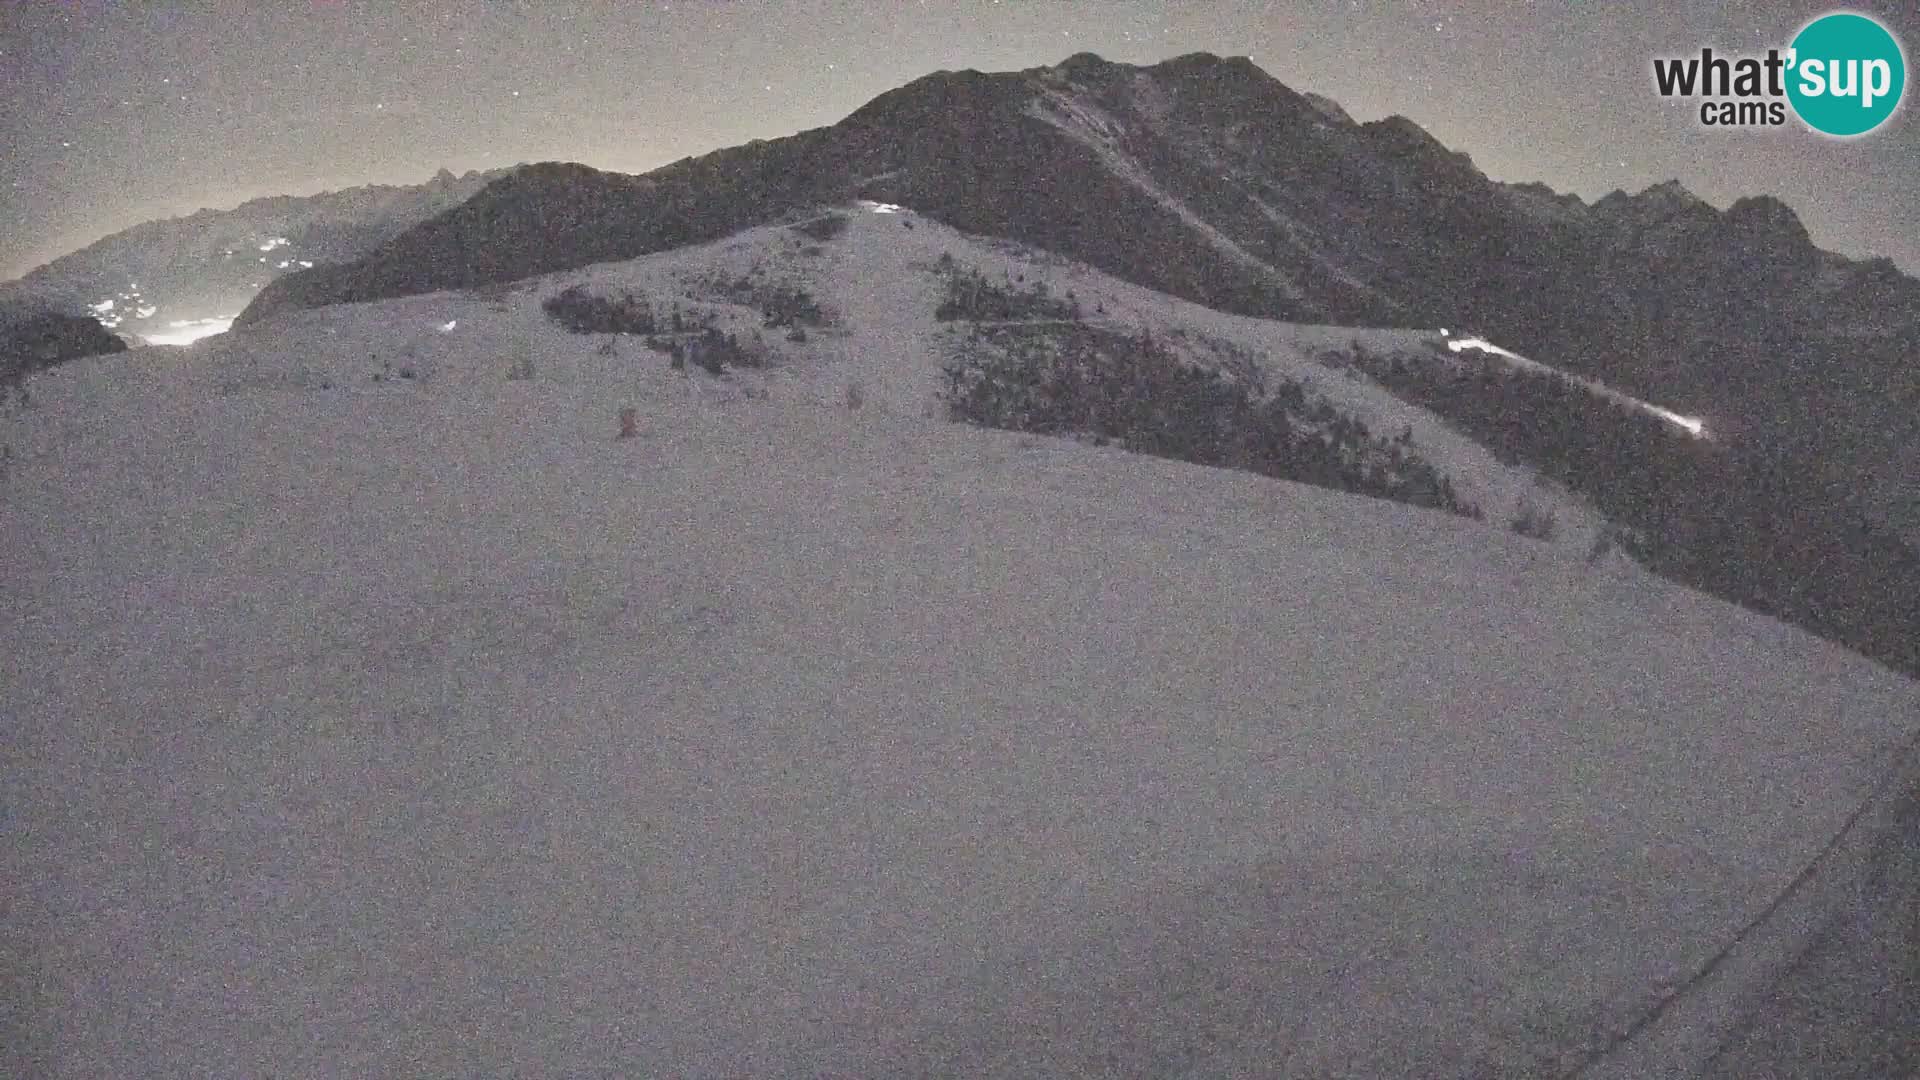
point(584, 313)
point(713, 351)
point(823, 228)
point(972, 296)
point(1534, 521)
point(787, 305)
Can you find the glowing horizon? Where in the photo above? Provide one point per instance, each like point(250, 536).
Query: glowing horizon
point(188, 331)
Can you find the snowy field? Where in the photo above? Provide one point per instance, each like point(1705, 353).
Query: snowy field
point(422, 727)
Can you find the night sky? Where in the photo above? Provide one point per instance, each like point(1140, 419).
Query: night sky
point(113, 113)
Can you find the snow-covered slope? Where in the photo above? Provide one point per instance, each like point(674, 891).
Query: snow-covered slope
point(881, 283)
point(421, 726)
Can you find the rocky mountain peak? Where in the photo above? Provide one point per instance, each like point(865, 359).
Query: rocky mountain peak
point(1766, 216)
point(1331, 110)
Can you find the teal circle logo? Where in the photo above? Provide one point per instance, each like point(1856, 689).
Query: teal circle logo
point(1847, 74)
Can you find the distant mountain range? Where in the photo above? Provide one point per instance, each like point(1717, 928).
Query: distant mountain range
point(1208, 179)
point(1202, 177)
point(206, 266)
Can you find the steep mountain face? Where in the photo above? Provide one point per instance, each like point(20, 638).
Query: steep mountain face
point(1063, 157)
point(1208, 179)
point(211, 263)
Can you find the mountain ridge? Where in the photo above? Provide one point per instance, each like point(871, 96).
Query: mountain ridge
point(1206, 90)
point(212, 262)
point(1207, 178)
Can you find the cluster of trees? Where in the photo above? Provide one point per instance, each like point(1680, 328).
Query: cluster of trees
point(1134, 391)
point(972, 296)
point(790, 306)
point(685, 339)
point(1754, 522)
point(780, 304)
point(584, 313)
point(712, 350)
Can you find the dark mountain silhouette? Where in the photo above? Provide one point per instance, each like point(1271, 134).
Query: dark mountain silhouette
point(35, 339)
point(1208, 179)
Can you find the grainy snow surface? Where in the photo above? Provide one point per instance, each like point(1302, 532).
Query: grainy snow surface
point(420, 727)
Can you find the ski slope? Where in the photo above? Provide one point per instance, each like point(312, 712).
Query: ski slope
point(422, 727)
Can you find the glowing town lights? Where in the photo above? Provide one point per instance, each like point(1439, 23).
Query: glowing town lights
point(188, 331)
point(276, 242)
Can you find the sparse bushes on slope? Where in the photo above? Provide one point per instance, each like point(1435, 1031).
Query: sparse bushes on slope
point(779, 303)
point(971, 295)
point(683, 338)
point(1751, 524)
point(823, 228)
point(1084, 381)
point(788, 305)
point(1534, 521)
point(712, 350)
